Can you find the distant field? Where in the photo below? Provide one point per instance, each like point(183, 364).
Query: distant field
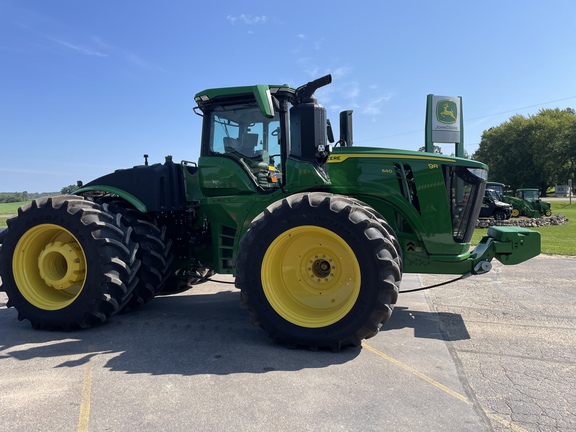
point(8, 209)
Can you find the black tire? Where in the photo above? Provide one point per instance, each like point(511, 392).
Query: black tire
point(389, 232)
point(66, 263)
point(499, 215)
point(318, 270)
point(153, 252)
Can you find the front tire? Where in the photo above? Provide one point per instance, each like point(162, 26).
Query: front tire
point(499, 215)
point(66, 263)
point(318, 270)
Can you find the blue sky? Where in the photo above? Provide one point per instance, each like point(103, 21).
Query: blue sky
point(89, 86)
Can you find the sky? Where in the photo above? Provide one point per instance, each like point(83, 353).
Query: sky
point(87, 87)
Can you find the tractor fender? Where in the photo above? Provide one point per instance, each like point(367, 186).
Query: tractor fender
point(149, 188)
point(135, 202)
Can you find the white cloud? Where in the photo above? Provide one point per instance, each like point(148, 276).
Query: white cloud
point(247, 19)
point(77, 48)
point(309, 67)
point(374, 106)
point(140, 62)
point(129, 57)
point(340, 72)
point(352, 89)
point(301, 36)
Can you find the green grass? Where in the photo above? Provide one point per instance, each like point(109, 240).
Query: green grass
point(557, 239)
point(11, 208)
point(8, 209)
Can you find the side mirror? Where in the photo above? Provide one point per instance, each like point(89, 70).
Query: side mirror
point(329, 131)
point(346, 128)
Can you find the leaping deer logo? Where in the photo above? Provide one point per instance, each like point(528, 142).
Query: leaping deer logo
point(448, 113)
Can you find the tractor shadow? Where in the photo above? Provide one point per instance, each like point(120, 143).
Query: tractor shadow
point(428, 325)
point(195, 334)
point(185, 334)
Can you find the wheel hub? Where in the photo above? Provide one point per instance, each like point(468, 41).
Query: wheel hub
point(321, 268)
point(61, 265)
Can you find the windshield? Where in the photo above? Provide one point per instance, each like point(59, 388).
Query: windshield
point(492, 194)
point(465, 190)
point(245, 133)
point(531, 195)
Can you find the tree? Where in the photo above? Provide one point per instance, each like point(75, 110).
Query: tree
point(68, 189)
point(531, 151)
point(437, 149)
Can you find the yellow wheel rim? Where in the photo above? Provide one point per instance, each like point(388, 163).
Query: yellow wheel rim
point(310, 276)
point(515, 213)
point(49, 267)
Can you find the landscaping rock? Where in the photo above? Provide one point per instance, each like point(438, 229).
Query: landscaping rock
point(554, 219)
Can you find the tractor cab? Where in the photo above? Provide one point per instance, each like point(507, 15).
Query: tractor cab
point(263, 138)
point(250, 139)
point(528, 194)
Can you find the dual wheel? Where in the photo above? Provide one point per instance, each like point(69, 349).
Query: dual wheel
point(319, 270)
point(69, 263)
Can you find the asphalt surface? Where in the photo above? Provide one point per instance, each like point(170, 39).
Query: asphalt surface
point(492, 352)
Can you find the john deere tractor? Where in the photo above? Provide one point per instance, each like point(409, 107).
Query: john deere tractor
point(531, 196)
point(316, 231)
point(525, 202)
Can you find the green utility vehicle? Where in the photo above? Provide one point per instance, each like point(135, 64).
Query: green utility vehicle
point(317, 233)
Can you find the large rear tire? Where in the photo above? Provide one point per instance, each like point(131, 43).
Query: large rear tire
point(153, 252)
point(318, 270)
point(67, 263)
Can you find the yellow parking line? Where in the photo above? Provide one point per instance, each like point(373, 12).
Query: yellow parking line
point(442, 387)
point(418, 374)
point(84, 417)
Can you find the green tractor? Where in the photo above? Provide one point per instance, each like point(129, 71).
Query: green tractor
point(317, 233)
point(525, 202)
point(532, 197)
